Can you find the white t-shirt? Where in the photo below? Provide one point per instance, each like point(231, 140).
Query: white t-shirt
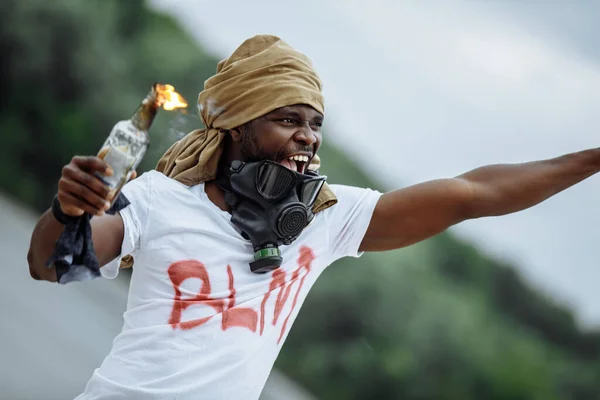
point(199, 324)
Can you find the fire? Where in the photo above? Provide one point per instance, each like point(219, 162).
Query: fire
point(168, 98)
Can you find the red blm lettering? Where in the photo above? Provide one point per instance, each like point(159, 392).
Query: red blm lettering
point(232, 315)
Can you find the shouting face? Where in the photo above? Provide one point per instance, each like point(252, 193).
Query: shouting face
point(288, 135)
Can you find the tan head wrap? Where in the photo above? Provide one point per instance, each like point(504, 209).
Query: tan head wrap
point(263, 74)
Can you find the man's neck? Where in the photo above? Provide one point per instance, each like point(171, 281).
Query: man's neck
point(216, 195)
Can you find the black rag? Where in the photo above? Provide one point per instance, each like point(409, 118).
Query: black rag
point(74, 257)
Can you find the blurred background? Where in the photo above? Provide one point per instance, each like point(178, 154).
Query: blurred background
point(498, 308)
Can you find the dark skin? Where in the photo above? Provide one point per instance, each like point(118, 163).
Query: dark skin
point(401, 217)
point(287, 131)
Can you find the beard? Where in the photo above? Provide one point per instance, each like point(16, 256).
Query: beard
point(251, 151)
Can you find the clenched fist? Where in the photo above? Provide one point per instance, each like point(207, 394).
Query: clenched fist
point(81, 191)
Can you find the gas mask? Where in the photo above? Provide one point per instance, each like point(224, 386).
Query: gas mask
point(271, 205)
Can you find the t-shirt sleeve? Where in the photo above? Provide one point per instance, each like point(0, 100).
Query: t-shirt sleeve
point(348, 220)
point(135, 215)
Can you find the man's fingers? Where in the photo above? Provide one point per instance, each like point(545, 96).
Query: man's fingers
point(82, 192)
point(92, 164)
point(86, 179)
point(72, 201)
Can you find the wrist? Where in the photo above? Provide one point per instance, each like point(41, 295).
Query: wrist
point(59, 214)
point(589, 160)
point(596, 157)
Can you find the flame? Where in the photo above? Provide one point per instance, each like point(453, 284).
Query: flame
point(168, 98)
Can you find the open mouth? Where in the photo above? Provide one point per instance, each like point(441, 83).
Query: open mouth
point(296, 163)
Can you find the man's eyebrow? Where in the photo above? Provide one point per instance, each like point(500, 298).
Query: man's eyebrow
point(287, 112)
point(295, 114)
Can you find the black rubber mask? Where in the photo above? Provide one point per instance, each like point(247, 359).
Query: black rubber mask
point(271, 205)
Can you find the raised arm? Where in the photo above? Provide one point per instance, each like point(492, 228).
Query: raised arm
point(410, 215)
point(79, 191)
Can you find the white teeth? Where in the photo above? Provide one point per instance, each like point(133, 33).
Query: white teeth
point(299, 158)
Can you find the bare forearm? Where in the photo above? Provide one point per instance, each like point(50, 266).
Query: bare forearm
point(406, 216)
point(43, 240)
point(505, 189)
point(107, 236)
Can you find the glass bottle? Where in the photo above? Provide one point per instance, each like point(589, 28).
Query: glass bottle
point(128, 141)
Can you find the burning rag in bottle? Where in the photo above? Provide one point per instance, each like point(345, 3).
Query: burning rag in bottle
point(74, 256)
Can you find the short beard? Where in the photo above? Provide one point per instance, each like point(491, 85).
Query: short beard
point(250, 149)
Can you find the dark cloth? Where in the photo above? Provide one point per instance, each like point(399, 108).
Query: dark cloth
point(74, 257)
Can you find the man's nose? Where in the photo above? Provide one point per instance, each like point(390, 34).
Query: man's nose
point(306, 135)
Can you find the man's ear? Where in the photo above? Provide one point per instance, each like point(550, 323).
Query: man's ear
point(236, 134)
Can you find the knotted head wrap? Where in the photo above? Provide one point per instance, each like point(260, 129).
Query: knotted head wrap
point(263, 74)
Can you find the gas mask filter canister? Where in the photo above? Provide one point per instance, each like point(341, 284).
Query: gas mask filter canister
point(271, 205)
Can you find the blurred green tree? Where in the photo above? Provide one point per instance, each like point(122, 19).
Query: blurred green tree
point(70, 70)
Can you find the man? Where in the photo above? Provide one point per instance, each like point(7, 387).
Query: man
point(200, 324)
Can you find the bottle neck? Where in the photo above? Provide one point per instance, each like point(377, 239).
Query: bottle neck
point(143, 117)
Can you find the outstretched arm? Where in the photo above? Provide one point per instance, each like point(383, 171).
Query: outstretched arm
point(407, 216)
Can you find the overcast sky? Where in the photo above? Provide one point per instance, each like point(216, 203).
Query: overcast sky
point(421, 90)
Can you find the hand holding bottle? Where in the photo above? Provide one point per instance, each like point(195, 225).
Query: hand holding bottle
point(80, 190)
point(89, 184)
